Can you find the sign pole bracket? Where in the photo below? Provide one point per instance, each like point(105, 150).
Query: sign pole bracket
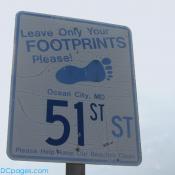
point(75, 169)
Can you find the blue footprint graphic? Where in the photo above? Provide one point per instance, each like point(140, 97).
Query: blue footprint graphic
point(95, 71)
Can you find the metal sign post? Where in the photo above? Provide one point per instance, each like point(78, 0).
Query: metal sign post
point(75, 169)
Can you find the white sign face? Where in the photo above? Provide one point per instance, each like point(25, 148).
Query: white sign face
point(73, 96)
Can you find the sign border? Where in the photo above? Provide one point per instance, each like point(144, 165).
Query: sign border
point(13, 90)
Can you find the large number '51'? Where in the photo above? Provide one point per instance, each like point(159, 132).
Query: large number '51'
point(51, 118)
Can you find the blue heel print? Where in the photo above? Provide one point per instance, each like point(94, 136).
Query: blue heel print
point(95, 71)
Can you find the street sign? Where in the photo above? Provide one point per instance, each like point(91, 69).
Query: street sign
point(73, 94)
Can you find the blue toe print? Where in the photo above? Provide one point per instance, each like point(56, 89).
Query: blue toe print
point(108, 68)
point(95, 71)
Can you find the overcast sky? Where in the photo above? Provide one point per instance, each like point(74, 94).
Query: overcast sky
point(153, 27)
